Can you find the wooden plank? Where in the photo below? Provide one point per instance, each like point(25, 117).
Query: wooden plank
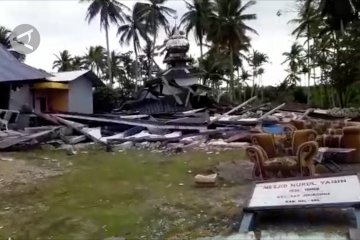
point(190, 112)
point(233, 110)
point(162, 139)
point(9, 142)
point(336, 150)
point(140, 123)
point(80, 130)
point(310, 110)
point(271, 111)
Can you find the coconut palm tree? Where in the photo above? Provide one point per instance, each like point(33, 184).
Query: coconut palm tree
point(256, 60)
point(116, 68)
point(63, 61)
point(77, 63)
point(5, 41)
point(338, 14)
point(197, 19)
point(154, 13)
point(308, 22)
point(295, 58)
point(5, 37)
point(133, 31)
point(110, 11)
point(213, 67)
point(244, 77)
point(227, 29)
point(94, 59)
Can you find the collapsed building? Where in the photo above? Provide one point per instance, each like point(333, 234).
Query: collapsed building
point(178, 88)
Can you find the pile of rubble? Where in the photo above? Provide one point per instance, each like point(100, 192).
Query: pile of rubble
point(174, 132)
point(117, 132)
point(344, 112)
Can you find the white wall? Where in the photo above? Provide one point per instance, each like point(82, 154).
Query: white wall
point(20, 96)
point(80, 96)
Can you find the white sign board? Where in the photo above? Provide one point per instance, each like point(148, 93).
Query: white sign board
point(328, 190)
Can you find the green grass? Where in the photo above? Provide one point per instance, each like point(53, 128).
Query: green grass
point(132, 194)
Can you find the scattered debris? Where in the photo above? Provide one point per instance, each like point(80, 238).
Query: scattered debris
point(206, 180)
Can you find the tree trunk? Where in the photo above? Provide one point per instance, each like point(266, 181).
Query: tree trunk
point(108, 57)
point(136, 67)
point(153, 47)
point(253, 85)
point(262, 89)
point(232, 87)
point(322, 92)
point(333, 100)
point(201, 48)
point(152, 56)
point(201, 57)
point(244, 90)
point(238, 84)
point(308, 63)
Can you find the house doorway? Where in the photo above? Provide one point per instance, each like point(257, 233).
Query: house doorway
point(43, 104)
point(4, 96)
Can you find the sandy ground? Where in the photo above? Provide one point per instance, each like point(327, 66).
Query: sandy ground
point(20, 172)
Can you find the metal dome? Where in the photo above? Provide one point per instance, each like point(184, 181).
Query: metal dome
point(177, 41)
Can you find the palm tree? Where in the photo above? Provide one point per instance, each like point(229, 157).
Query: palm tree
point(5, 37)
point(94, 59)
point(337, 19)
point(5, 41)
point(77, 63)
point(116, 68)
point(295, 58)
point(154, 14)
point(260, 73)
point(244, 77)
point(227, 29)
point(110, 11)
point(133, 31)
point(63, 61)
point(308, 22)
point(197, 19)
point(213, 67)
point(256, 60)
point(292, 78)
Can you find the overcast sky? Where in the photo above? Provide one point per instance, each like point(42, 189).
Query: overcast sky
point(62, 26)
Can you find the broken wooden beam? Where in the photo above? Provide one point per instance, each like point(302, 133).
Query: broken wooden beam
point(80, 130)
point(271, 111)
point(140, 123)
point(233, 110)
point(307, 112)
point(9, 142)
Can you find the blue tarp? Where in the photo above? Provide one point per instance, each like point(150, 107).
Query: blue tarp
point(273, 128)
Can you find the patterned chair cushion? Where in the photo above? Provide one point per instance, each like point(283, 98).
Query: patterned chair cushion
point(273, 164)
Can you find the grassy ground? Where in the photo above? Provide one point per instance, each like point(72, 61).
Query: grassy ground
point(136, 195)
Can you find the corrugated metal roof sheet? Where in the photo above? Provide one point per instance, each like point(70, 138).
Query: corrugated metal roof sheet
point(12, 69)
point(73, 75)
point(67, 76)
